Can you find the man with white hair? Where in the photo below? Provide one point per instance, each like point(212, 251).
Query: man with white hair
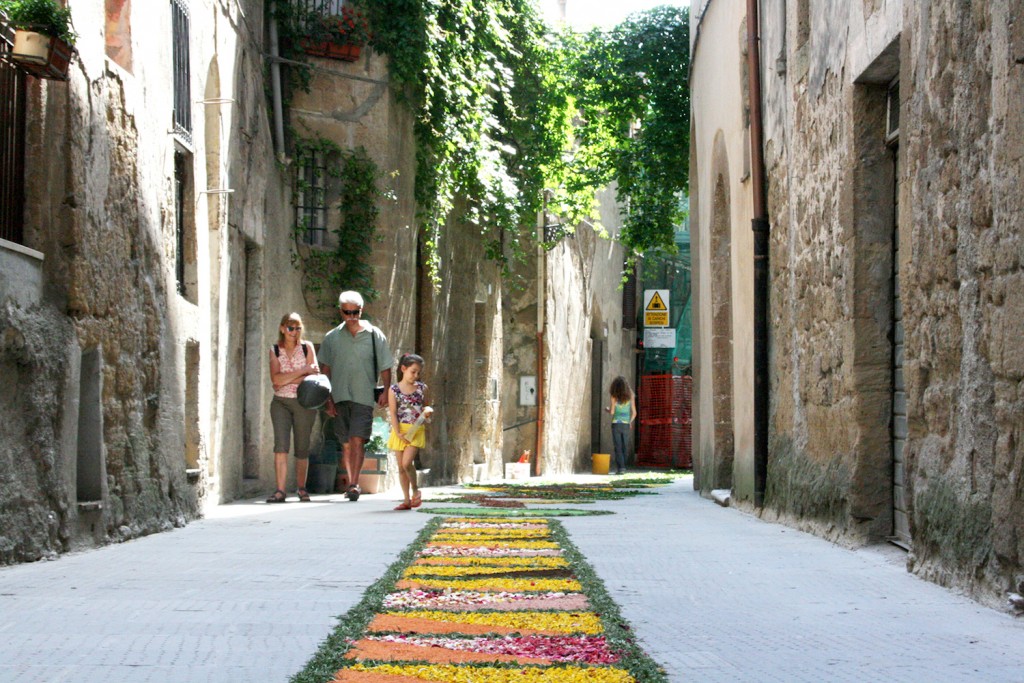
point(353, 355)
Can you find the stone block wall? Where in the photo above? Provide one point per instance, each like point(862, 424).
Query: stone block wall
point(961, 254)
point(856, 208)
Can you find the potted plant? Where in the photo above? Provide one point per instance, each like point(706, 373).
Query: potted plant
point(337, 36)
point(43, 39)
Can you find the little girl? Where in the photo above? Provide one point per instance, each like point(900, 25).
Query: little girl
point(623, 411)
point(407, 406)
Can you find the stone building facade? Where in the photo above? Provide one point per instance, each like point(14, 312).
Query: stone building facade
point(891, 146)
point(156, 256)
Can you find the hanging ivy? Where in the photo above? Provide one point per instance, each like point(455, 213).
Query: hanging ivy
point(509, 116)
point(632, 88)
point(492, 115)
point(345, 264)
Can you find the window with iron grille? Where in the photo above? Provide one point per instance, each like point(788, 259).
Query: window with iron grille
point(324, 8)
point(629, 301)
point(186, 272)
point(311, 198)
point(12, 143)
point(180, 181)
point(182, 70)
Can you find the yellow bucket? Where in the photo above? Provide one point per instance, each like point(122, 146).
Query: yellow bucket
point(601, 461)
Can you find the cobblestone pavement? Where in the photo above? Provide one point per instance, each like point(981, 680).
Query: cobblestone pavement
point(713, 594)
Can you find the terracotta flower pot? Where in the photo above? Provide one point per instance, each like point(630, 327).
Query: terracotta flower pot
point(344, 53)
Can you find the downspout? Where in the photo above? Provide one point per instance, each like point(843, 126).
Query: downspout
point(275, 85)
point(540, 343)
point(761, 226)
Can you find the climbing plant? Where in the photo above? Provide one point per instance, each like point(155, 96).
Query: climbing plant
point(345, 263)
point(492, 115)
point(509, 116)
point(632, 89)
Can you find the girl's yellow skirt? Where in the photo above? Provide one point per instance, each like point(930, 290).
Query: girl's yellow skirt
point(419, 439)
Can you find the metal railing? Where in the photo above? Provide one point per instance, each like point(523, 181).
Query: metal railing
point(324, 8)
point(182, 70)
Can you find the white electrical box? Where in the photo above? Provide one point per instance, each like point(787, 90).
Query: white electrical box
point(528, 390)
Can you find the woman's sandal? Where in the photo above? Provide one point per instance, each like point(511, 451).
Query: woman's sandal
point(417, 500)
point(303, 495)
point(404, 506)
point(278, 497)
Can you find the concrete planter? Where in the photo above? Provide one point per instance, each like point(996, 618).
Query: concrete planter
point(41, 55)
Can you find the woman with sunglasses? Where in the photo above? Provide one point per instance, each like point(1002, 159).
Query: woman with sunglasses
point(291, 359)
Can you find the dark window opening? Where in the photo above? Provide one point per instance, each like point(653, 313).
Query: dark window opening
point(12, 143)
point(629, 301)
point(182, 70)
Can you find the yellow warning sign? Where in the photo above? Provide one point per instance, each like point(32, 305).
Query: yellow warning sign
point(656, 308)
point(656, 303)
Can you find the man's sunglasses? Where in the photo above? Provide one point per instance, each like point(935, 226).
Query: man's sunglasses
point(352, 312)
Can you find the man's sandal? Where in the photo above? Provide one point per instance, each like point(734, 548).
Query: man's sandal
point(278, 497)
point(303, 495)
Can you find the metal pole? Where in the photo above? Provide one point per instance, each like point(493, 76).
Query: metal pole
point(761, 227)
point(275, 85)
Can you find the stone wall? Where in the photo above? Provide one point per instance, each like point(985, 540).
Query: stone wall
point(856, 208)
point(961, 261)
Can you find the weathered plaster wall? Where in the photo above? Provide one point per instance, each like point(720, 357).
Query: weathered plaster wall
point(582, 303)
point(721, 142)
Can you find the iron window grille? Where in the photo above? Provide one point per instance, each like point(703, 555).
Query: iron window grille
point(629, 311)
point(13, 94)
point(311, 198)
point(308, 8)
point(182, 70)
point(180, 180)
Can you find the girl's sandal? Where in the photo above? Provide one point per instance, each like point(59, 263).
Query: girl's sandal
point(417, 500)
point(403, 506)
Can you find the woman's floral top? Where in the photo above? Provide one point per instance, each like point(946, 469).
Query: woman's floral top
point(410, 406)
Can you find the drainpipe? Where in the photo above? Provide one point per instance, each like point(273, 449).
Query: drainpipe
point(275, 85)
point(540, 343)
point(760, 225)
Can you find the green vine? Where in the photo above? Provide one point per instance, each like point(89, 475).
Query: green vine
point(510, 117)
point(492, 116)
point(632, 85)
point(344, 264)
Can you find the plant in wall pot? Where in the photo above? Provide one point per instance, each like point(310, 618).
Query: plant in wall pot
point(338, 36)
point(43, 39)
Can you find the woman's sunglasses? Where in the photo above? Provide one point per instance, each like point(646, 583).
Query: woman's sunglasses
point(292, 328)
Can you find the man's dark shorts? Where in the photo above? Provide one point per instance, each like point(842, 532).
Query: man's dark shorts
point(354, 419)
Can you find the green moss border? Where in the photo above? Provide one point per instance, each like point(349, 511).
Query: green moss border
point(617, 629)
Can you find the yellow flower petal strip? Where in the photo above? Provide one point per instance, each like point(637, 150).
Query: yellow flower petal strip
point(492, 544)
point(494, 674)
point(560, 622)
point(440, 570)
